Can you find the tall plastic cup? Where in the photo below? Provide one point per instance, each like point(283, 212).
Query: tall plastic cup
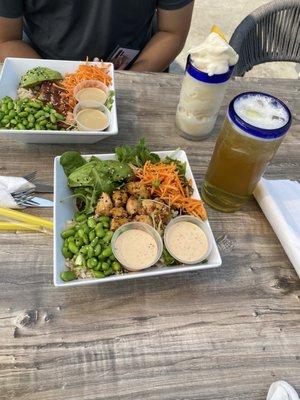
point(200, 100)
point(254, 128)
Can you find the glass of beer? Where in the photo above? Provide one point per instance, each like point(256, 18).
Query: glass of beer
point(254, 127)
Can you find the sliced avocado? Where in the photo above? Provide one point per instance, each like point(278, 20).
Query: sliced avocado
point(38, 75)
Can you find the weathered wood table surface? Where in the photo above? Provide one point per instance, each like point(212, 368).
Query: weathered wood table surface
point(226, 333)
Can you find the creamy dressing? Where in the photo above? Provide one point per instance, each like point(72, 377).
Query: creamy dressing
point(136, 249)
point(186, 242)
point(91, 93)
point(93, 119)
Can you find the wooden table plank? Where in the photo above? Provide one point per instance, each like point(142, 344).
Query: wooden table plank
point(216, 334)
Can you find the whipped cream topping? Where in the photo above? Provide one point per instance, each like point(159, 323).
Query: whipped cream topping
point(214, 55)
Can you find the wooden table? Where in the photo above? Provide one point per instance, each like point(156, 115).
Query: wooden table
point(226, 333)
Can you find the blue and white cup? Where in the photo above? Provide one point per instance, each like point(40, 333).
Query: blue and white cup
point(200, 100)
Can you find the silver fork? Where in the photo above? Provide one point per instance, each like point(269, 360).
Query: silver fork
point(31, 176)
point(24, 198)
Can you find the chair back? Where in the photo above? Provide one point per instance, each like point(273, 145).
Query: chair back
point(269, 33)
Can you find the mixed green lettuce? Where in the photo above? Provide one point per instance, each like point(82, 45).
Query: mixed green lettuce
point(137, 155)
point(89, 179)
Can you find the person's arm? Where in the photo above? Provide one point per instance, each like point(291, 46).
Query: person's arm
point(11, 44)
point(173, 28)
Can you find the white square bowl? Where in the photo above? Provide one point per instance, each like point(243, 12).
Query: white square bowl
point(64, 209)
point(11, 73)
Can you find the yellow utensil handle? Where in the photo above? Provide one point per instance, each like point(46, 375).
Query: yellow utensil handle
point(11, 226)
point(28, 219)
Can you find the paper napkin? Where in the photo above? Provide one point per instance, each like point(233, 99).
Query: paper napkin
point(280, 202)
point(281, 390)
point(10, 184)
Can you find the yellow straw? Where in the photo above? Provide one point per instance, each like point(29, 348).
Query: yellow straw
point(28, 219)
point(14, 226)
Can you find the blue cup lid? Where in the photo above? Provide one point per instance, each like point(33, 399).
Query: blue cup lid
point(203, 76)
point(253, 130)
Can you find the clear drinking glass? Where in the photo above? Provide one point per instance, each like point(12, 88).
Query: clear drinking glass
point(243, 149)
point(200, 100)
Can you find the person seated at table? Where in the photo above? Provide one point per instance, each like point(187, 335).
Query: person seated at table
point(77, 29)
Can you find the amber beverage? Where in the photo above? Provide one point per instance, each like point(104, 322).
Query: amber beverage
point(254, 127)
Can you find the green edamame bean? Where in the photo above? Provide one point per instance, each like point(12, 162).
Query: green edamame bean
point(91, 223)
point(108, 236)
point(85, 238)
point(12, 114)
point(20, 126)
point(99, 231)
point(47, 109)
point(31, 118)
point(4, 108)
point(98, 274)
point(38, 114)
point(105, 266)
point(104, 218)
point(52, 118)
point(67, 233)
point(112, 258)
point(78, 242)
point(92, 262)
point(107, 252)
point(48, 126)
point(108, 272)
point(116, 266)
point(35, 104)
point(43, 123)
point(100, 257)
point(80, 260)
point(80, 218)
point(13, 121)
point(92, 235)
point(73, 248)
point(23, 114)
point(30, 125)
point(67, 276)
point(10, 105)
point(98, 267)
point(66, 252)
point(90, 252)
point(94, 241)
point(59, 117)
point(37, 127)
point(106, 224)
point(80, 233)
point(84, 249)
point(86, 228)
point(97, 249)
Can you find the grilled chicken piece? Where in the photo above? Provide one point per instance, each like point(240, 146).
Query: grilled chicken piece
point(119, 198)
point(137, 189)
point(104, 205)
point(116, 222)
point(132, 205)
point(143, 218)
point(155, 208)
point(118, 212)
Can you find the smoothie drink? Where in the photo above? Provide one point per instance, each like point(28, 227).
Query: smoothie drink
point(209, 67)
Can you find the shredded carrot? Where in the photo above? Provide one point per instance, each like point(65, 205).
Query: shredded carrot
point(84, 72)
point(170, 188)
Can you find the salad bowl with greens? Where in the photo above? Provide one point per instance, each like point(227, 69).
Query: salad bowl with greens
point(95, 195)
point(37, 101)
